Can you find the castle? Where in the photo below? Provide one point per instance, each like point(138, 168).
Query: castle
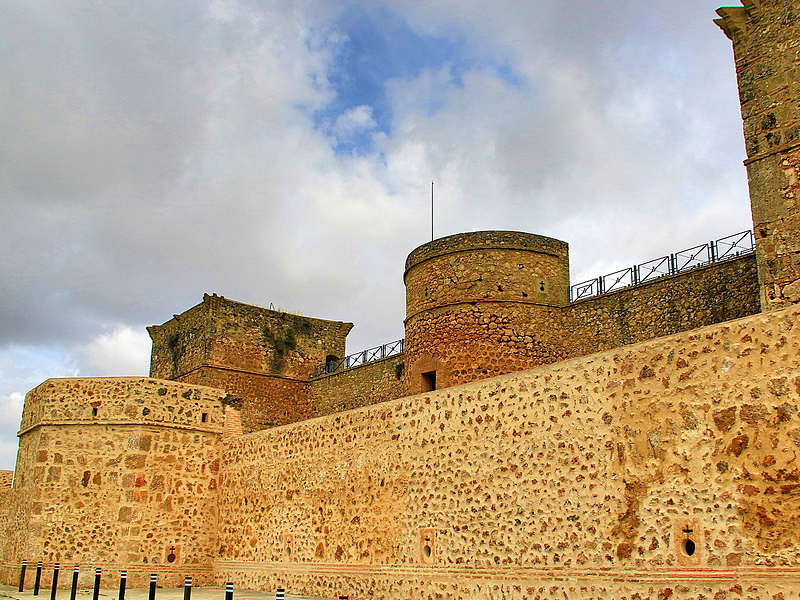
point(527, 445)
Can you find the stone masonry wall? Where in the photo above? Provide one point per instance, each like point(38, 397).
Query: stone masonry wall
point(583, 479)
point(241, 337)
point(481, 304)
point(15, 507)
point(119, 473)
point(264, 356)
point(703, 296)
point(267, 400)
point(766, 44)
point(367, 384)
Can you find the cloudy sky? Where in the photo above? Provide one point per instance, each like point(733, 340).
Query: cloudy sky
point(281, 152)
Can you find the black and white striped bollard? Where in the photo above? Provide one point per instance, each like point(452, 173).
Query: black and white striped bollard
point(153, 579)
point(54, 587)
point(123, 580)
point(74, 591)
point(96, 593)
point(344, 597)
point(187, 588)
point(38, 581)
point(280, 593)
point(229, 591)
point(22, 575)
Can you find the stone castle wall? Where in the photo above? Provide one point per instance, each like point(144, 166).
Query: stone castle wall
point(119, 473)
point(366, 384)
point(582, 479)
point(703, 296)
point(267, 400)
point(712, 294)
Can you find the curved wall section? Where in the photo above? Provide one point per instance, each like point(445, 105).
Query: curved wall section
point(483, 304)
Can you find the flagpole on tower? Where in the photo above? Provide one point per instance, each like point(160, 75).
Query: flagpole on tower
point(431, 210)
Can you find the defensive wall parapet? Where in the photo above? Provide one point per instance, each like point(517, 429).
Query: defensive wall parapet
point(586, 478)
point(705, 295)
point(366, 384)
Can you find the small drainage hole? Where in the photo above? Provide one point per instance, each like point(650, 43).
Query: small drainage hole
point(426, 550)
point(689, 547)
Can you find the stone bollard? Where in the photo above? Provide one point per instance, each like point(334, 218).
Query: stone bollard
point(74, 590)
point(22, 575)
point(55, 582)
point(96, 593)
point(38, 581)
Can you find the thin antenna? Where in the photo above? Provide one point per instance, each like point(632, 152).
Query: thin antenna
point(431, 210)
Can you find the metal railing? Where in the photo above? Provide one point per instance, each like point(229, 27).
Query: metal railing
point(685, 260)
point(360, 358)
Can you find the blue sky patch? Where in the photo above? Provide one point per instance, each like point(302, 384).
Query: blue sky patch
point(379, 45)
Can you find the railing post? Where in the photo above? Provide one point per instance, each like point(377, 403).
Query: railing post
point(123, 580)
point(187, 588)
point(22, 575)
point(712, 251)
point(600, 286)
point(96, 593)
point(229, 591)
point(54, 587)
point(74, 590)
point(153, 579)
point(38, 581)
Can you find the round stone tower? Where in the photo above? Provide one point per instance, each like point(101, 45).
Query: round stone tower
point(483, 304)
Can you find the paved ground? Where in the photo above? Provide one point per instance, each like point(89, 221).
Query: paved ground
point(142, 594)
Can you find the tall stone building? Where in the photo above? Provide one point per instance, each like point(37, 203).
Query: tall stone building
point(529, 441)
point(766, 45)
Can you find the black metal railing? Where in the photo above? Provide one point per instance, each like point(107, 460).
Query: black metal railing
point(360, 358)
point(685, 260)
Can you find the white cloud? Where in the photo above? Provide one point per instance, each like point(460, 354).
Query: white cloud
point(121, 352)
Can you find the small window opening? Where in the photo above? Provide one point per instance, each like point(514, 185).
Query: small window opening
point(689, 547)
point(429, 381)
point(204, 418)
point(330, 363)
point(94, 411)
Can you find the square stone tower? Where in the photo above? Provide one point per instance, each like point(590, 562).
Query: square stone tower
point(766, 45)
point(263, 356)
